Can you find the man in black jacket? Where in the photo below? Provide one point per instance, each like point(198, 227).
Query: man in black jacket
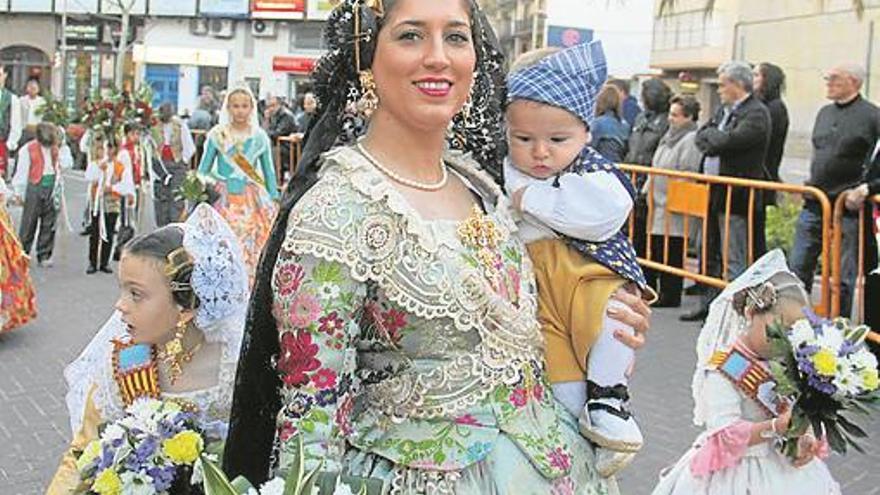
point(735, 143)
point(281, 124)
point(844, 135)
point(855, 199)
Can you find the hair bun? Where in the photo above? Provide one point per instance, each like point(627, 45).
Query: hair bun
point(759, 299)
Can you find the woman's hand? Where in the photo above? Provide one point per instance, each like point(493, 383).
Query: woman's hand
point(633, 312)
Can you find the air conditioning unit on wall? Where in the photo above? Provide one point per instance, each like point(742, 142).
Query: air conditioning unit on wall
point(199, 27)
point(263, 29)
point(222, 28)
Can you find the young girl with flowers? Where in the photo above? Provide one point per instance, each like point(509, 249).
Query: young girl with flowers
point(175, 336)
point(735, 397)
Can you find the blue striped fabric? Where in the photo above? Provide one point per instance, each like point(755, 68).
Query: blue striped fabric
point(570, 79)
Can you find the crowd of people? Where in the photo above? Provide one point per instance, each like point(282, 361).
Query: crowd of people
point(745, 139)
point(445, 298)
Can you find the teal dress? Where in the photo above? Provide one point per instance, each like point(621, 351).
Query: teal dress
point(410, 351)
point(247, 195)
point(217, 161)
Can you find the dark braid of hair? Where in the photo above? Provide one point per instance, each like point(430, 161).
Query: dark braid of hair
point(256, 401)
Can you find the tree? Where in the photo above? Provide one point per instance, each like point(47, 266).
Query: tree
point(667, 6)
point(124, 7)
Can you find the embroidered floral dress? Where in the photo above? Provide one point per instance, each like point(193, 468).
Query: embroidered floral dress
point(410, 349)
point(721, 462)
point(18, 304)
point(246, 182)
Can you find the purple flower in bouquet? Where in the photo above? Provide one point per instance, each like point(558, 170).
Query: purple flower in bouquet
point(146, 449)
point(162, 477)
point(106, 459)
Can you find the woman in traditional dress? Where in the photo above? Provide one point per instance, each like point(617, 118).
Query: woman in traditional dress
point(238, 155)
point(18, 304)
point(393, 324)
point(175, 334)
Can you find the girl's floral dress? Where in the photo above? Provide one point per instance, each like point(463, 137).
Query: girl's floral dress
point(410, 349)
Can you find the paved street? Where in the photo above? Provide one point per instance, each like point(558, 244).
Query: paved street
point(33, 418)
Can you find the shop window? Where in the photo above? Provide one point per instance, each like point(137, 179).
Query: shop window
point(307, 36)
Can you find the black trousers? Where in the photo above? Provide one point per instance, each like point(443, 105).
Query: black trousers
point(39, 208)
point(106, 247)
point(668, 286)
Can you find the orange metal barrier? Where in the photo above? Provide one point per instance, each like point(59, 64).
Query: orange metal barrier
point(688, 195)
point(836, 269)
point(295, 144)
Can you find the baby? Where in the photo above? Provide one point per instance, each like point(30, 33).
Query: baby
point(572, 204)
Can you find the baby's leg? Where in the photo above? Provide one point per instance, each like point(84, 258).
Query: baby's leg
point(572, 395)
point(606, 419)
point(610, 359)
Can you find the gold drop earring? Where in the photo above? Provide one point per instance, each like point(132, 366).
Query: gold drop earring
point(369, 100)
point(173, 353)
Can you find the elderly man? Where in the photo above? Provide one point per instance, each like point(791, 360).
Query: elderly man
point(843, 138)
point(735, 144)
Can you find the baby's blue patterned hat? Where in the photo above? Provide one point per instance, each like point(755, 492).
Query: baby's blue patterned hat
point(570, 79)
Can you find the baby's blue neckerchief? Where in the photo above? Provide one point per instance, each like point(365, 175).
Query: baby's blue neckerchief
point(570, 79)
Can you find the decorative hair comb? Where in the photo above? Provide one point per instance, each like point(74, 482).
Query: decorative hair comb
point(761, 297)
point(175, 261)
point(378, 8)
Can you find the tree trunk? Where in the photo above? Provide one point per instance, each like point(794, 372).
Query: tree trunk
point(123, 45)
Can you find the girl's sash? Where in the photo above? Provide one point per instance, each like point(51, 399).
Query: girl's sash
point(750, 377)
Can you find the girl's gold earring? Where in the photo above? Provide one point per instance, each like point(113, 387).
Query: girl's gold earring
point(173, 353)
point(369, 100)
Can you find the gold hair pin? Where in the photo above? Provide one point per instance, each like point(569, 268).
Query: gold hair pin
point(176, 260)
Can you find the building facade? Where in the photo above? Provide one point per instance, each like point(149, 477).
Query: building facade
point(176, 46)
point(804, 38)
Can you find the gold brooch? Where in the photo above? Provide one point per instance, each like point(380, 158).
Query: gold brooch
point(478, 231)
point(480, 234)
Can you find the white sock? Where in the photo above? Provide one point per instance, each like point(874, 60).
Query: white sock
point(572, 395)
point(610, 358)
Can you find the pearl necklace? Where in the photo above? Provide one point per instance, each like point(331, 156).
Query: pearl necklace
point(403, 180)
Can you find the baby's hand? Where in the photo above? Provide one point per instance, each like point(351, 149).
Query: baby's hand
point(516, 198)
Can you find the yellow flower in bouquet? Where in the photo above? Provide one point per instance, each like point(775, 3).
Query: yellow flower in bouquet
point(91, 452)
point(870, 380)
point(183, 448)
point(107, 483)
point(825, 362)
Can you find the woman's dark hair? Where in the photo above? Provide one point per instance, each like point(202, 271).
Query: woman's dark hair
point(774, 81)
point(256, 401)
point(689, 105)
point(656, 95)
point(620, 84)
point(165, 245)
point(608, 100)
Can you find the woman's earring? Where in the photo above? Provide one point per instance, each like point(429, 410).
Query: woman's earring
point(466, 111)
point(369, 100)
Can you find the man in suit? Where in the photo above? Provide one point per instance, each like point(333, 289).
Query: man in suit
point(735, 145)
